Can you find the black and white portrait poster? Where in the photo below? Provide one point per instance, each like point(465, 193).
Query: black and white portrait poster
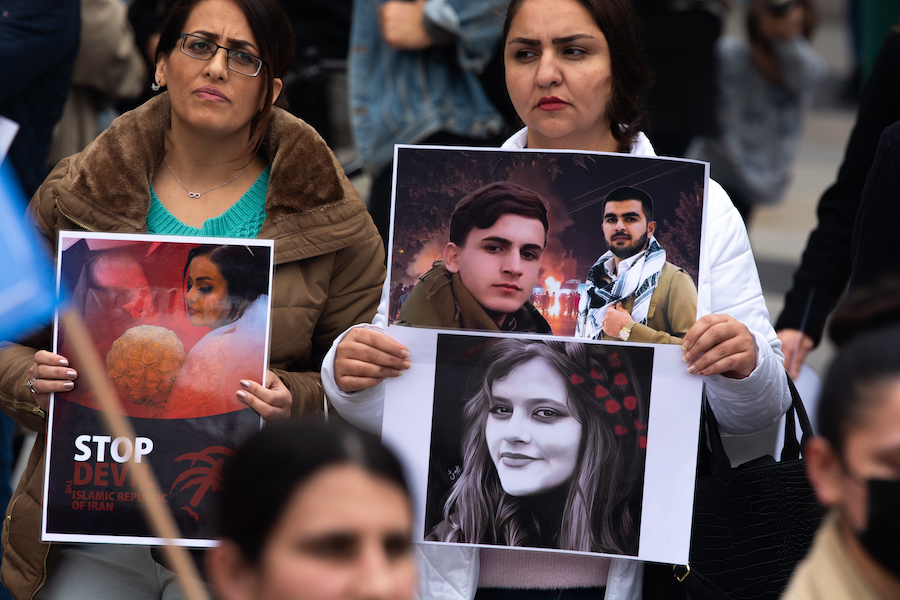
point(569, 243)
point(542, 442)
point(178, 322)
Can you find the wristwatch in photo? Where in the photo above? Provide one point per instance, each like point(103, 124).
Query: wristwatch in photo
point(625, 332)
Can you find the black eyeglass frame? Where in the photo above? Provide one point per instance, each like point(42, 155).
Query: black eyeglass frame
point(228, 51)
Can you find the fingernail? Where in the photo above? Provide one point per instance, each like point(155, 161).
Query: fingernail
point(71, 374)
point(406, 364)
point(63, 362)
point(685, 345)
point(242, 395)
point(404, 354)
point(692, 369)
point(69, 385)
point(245, 384)
point(686, 357)
point(396, 373)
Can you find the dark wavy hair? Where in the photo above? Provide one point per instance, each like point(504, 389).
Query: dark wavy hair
point(261, 478)
point(630, 73)
point(245, 269)
point(856, 382)
point(599, 513)
point(274, 35)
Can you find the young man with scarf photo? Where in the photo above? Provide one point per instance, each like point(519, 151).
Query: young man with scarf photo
point(632, 292)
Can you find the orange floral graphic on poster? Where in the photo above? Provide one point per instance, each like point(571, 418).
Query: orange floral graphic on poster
point(144, 363)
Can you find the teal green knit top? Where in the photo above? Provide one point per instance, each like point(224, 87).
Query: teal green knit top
point(243, 220)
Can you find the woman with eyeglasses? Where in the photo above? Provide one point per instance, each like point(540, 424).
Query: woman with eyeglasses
point(212, 155)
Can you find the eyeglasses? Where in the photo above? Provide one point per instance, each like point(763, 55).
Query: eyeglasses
point(239, 61)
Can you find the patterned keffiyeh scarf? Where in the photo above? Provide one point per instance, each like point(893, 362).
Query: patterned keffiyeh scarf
point(640, 280)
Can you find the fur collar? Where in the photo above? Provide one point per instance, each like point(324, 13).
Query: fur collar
point(113, 173)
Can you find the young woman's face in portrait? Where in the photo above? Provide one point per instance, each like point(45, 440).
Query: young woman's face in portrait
point(559, 75)
point(345, 535)
point(532, 434)
point(207, 294)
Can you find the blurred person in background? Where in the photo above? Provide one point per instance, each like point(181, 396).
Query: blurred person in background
point(416, 71)
point(765, 86)
point(109, 66)
point(825, 268)
point(872, 252)
point(38, 43)
point(322, 34)
point(679, 38)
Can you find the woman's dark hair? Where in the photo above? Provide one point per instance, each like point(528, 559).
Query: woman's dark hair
point(867, 308)
point(856, 382)
point(274, 35)
point(260, 479)
point(244, 268)
point(599, 514)
point(630, 74)
point(865, 326)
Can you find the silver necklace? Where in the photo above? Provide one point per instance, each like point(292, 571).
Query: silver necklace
point(198, 194)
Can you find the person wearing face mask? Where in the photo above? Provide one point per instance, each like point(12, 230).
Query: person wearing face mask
point(854, 470)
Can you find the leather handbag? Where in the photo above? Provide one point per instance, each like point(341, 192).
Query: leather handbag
point(752, 524)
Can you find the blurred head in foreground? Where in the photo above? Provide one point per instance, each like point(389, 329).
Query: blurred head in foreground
point(310, 511)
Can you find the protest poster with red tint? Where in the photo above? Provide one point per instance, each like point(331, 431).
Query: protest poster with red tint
point(179, 322)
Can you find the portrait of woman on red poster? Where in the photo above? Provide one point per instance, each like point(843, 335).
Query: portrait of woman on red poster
point(226, 290)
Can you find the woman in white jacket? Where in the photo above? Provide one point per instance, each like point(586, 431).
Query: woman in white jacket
point(575, 75)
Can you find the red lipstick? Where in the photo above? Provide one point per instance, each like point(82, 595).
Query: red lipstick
point(551, 103)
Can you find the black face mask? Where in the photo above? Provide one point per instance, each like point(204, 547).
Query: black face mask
point(881, 537)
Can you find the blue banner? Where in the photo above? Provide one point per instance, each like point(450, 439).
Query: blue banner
point(27, 290)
